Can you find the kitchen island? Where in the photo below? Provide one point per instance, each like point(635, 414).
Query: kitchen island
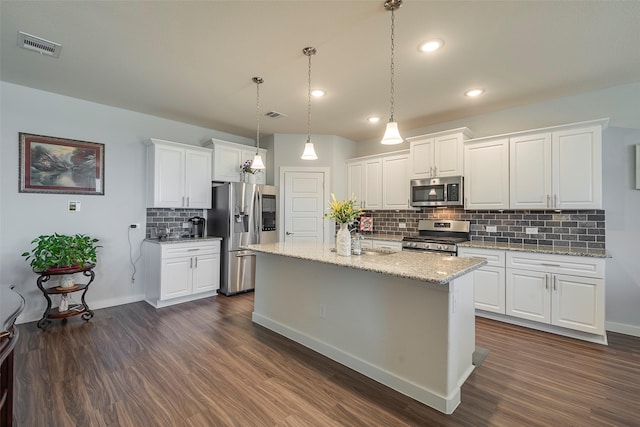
point(404, 319)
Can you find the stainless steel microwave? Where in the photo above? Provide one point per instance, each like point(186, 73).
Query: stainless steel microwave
point(445, 191)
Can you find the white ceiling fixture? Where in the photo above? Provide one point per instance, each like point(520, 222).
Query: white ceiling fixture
point(40, 45)
point(430, 45)
point(318, 93)
point(257, 162)
point(392, 134)
point(373, 119)
point(309, 152)
point(474, 92)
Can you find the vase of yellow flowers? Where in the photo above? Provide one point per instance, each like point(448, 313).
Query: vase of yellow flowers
point(343, 212)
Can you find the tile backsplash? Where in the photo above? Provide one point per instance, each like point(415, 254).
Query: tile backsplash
point(575, 229)
point(169, 218)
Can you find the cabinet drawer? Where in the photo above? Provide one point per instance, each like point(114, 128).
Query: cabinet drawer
point(187, 249)
point(494, 257)
point(562, 264)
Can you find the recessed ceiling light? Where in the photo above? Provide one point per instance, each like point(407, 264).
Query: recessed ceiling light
point(373, 119)
point(474, 92)
point(431, 45)
point(318, 92)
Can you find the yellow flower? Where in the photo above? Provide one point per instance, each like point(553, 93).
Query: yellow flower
point(344, 211)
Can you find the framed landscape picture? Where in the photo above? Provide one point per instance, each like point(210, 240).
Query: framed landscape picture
point(59, 165)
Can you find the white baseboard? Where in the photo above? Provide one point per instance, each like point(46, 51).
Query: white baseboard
point(446, 404)
point(623, 328)
point(156, 303)
point(34, 315)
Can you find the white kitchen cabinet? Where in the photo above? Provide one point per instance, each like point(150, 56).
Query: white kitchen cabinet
point(557, 170)
point(229, 156)
point(387, 245)
point(178, 175)
point(565, 291)
point(438, 154)
point(486, 174)
point(395, 184)
point(179, 272)
point(364, 181)
point(488, 280)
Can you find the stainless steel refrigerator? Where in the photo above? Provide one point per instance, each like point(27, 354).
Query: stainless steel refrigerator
point(242, 214)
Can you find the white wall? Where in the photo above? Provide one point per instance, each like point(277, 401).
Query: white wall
point(621, 200)
point(27, 215)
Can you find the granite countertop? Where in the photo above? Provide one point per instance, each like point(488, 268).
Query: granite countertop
point(541, 249)
point(381, 236)
point(423, 266)
point(174, 240)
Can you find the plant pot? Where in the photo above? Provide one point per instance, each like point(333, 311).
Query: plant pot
point(343, 241)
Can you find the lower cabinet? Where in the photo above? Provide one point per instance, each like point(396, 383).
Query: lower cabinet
point(567, 293)
point(381, 244)
point(489, 280)
point(180, 272)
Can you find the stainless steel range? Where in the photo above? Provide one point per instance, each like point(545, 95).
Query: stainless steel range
point(440, 236)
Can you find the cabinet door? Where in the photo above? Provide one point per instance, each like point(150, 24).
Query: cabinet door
point(395, 186)
point(226, 163)
point(489, 289)
point(175, 278)
point(169, 176)
point(527, 295)
point(530, 172)
point(355, 181)
point(373, 184)
point(486, 176)
point(448, 155)
point(422, 159)
point(198, 179)
point(577, 168)
point(206, 273)
point(578, 303)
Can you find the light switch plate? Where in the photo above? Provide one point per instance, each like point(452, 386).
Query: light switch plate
point(402, 225)
point(531, 230)
point(492, 229)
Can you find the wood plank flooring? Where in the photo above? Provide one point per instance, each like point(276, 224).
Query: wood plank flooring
point(204, 363)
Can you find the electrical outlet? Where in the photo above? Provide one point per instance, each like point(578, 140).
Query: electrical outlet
point(323, 311)
point(185, 225)
point(491, 229)
point(531, 230)
point(402, 225)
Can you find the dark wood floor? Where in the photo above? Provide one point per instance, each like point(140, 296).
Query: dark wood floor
point(205, 364)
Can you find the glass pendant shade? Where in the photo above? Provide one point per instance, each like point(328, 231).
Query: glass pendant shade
point(392, 135)
point(257, 162)
point(309, 152)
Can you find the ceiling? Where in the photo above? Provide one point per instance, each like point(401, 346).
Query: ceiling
point(192, 61)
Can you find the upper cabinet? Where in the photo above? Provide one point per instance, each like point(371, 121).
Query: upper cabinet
point(438, 154)
point(486, 174)
point(557, 170)
point(380, 182)
point(229, 156)
point(552, 168)
point(178, 175)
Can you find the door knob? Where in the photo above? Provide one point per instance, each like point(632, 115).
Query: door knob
point(288, 233)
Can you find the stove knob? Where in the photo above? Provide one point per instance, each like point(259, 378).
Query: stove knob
point(441, 247)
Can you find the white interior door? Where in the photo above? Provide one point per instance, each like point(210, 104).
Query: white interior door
point(304, 207)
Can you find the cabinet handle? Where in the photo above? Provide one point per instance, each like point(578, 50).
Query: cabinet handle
point(435, 171)
point(555, 283)
point(187, 201)
point(190, 262)
point(193, 249)
point(548, 201)
point(555, 200)
point(430, 171)
point(196, 262)
point(550, 265)
point(546, 281)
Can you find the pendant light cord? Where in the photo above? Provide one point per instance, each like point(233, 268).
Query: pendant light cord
point(309, 100)
point(392, 66)
point(258, 81)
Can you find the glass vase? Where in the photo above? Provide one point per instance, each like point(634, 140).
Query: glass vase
point(343, 241)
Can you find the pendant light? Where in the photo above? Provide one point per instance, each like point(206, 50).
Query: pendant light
point(309, 152)
point(391, 134)
point(257, 159)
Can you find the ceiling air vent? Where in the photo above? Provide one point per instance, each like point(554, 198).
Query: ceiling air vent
point(274, 114)
point(42, 46)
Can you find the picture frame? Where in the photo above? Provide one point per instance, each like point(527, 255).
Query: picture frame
point(60, 166)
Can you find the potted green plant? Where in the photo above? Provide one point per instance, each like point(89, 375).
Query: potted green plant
point(62, 252)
